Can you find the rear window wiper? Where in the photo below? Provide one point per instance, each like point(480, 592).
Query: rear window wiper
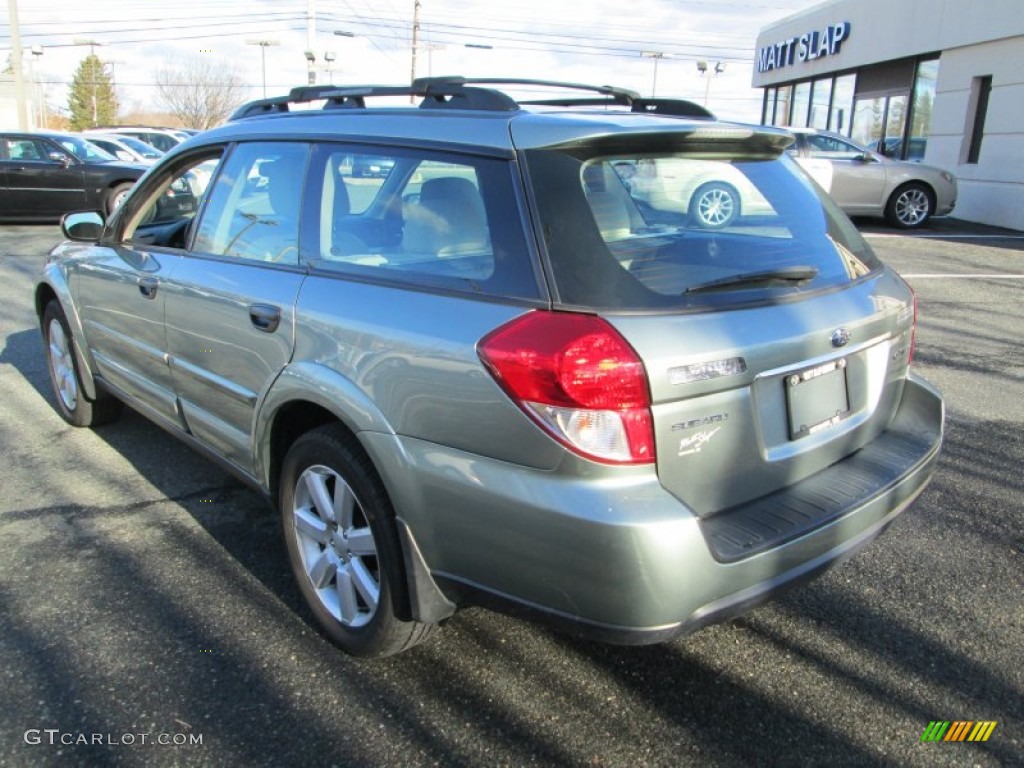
point(784, 275)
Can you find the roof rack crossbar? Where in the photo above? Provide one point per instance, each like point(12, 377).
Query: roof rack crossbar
point(676, 107)
point(456, 92)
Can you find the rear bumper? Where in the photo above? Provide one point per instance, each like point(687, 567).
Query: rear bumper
point(618, 558)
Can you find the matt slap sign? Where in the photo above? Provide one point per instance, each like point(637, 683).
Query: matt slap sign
point(806, 47)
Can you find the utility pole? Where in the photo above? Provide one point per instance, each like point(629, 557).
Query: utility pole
point(311, 41)
point(16, 65)
point(415, 41)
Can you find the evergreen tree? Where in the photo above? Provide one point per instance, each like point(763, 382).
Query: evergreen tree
point(91, 99)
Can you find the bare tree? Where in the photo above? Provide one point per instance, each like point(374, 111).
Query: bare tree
point(201, 91)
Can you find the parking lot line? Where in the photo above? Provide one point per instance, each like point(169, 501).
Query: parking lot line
point(925, 276)
point(884, 235)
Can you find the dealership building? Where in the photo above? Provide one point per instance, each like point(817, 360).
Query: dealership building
point(937, 81)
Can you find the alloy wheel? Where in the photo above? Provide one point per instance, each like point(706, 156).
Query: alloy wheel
point(913, 207)
point(337, 547)
point(62, 365)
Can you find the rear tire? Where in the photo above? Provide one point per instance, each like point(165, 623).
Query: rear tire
point(340, 533)
point(72, 403)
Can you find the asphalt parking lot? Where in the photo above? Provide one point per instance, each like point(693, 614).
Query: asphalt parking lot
point(145, 598)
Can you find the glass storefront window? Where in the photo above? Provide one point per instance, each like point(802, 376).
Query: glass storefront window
point(895, 119)
point(820, 98)
point(921, 113)
point(782, 105)
point(841, 115)
point(801, 103)
point(868, 116)
point(768, 112)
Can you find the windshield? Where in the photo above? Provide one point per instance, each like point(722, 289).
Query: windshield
point(674, 230)
point(85, 150)
point(144, 149)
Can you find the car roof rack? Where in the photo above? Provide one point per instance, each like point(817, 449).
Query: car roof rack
point(456, 92)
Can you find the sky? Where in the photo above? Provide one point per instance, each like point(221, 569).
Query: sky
point(589, 41)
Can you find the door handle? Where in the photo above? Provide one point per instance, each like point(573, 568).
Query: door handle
point(148, 286)
point(265, 317)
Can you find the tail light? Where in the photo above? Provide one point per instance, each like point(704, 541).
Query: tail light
point(579, 379)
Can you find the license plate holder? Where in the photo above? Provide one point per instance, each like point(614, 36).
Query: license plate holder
point(817, 398)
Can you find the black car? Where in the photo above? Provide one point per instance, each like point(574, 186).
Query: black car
point(44, 175)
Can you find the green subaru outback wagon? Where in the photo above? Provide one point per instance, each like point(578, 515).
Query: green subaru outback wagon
point(531, 364)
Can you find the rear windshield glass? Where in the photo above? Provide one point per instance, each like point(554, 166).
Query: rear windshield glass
point(642, 231)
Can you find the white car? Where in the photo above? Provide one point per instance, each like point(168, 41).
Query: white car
point(865, 183)
point(125, 147)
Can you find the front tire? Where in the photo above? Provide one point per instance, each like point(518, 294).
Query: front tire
point(714, 205)
point(116, 196)
point(910, 206)
point(72, 404)
point(340, 533)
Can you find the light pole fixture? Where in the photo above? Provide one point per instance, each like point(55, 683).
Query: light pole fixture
point(263, 44)
point(657, 56)
point(310, 63)
point(702, 67)
point(329, 58)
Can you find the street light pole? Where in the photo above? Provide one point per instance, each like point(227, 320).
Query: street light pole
point(339, 33)
point(702, 67)
point(656, 55)
point(38, 96)
point(263, 58)
point(92, 70)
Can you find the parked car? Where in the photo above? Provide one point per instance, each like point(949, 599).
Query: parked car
point(893, 148)
point(164, 139)
point(865, 183)
point(363, 165)
point(126, 148)
point(45, 174)
point(711, 193)
point(492, 380)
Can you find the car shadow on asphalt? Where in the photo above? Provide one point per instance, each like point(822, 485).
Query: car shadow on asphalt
point(948, 230)
point(235, 515)
point(491, 682)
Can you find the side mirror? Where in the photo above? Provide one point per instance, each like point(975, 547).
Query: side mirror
point(62, 158)
point(864, 157)
point(82, 226)
point(122, 155)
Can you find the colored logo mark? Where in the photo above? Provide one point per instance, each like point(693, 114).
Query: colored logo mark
point(958, 730)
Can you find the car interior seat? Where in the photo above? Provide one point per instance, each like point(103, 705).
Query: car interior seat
point(277, 230)
point(337, 242)
point(448, 220)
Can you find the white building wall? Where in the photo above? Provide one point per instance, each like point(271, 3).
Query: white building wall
point(974, 39)
point(992, 190)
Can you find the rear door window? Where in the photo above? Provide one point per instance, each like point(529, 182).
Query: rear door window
point(421, 217)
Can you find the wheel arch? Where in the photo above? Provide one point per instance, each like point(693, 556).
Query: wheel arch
point(55, 288)
point(307, 396)
point(916, 183)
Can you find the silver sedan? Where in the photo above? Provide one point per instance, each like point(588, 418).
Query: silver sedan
point(865, 183)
